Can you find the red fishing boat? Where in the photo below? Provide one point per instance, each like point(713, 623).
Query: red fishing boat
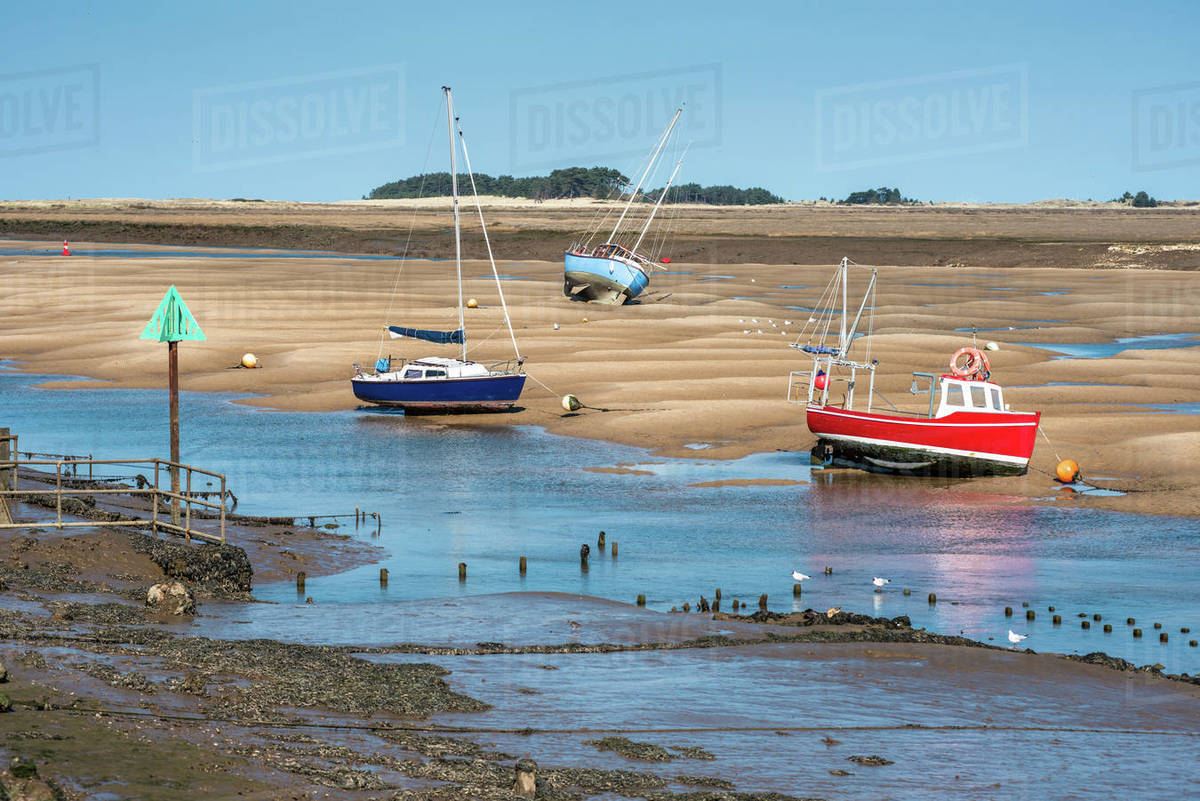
point(966, 430)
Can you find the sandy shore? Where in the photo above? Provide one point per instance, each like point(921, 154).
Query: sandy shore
point(676, 369)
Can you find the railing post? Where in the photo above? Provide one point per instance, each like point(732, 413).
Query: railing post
point(222, 508)
point(58, 493)
point(6, 472)
point(154, 498)
point(187, 521)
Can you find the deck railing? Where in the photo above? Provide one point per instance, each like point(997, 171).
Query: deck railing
point(167, 511)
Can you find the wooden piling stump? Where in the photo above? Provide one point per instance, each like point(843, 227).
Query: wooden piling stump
point(1137, 632)
point(933, 597)
point(762, 602)
point(462, 571)
point(1108, 628)
point(1085, 624)
point(1008, 611)
point(525, 778)
point(300, 577)
point(1162, 637)
point(383, 576)
point(1029, 614)
point(1057, 620)
point(641, 599)
point(522, 565)
point(614, 549)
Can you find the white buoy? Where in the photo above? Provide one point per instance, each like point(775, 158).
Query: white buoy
point(249, 360)
point(571, 403)
point(991, 346)
point(556, 326)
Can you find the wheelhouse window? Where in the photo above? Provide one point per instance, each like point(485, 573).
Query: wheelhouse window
point(955, 395)
point(978, 397)
point(997, 403)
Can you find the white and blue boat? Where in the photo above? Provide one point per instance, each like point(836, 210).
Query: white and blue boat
point(439, 383)
point(611, 272)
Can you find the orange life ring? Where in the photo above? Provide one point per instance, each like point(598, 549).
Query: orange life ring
point(976, 367)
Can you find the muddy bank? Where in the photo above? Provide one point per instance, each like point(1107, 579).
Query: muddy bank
point(985, 235)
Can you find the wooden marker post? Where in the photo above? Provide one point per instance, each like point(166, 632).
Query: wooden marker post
point(172, 323)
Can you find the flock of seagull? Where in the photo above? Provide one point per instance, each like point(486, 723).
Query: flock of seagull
point(879, 583)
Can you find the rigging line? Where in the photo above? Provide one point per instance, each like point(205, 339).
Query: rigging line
point(408, 239)
point(451, 729)
point(487, 241)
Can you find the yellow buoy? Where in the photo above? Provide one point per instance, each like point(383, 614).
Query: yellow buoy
point(249, 360)
point(585, 319)
point(1067, 471)
point(472, 303)
point(571, 403)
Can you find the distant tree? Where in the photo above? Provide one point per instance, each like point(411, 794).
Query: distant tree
point(1143, 201)
point(570, 182)
point(882, 195)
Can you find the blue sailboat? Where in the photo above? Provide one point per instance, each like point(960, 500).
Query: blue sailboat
point(611, 272)
point(439, 383)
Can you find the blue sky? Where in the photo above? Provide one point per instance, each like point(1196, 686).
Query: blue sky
point(1013, 101)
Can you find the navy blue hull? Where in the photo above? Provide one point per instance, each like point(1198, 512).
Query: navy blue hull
point(484, 393)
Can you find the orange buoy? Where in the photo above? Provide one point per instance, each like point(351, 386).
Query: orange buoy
point(66, 250)
point(472, 303)
point(1067, 471)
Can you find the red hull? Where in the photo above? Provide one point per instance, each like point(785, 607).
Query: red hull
point(962, 442)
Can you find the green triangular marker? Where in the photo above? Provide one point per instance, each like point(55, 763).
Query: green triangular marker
point(173, 322)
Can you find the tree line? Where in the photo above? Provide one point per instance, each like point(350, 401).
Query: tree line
point(571, 182)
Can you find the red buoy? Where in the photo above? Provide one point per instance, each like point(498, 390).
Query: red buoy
point(66, 250)
point(665, 259)
point(821, 380)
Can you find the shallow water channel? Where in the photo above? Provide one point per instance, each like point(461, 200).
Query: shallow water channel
point(487, 495)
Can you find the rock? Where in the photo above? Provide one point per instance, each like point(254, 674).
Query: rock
point(3, 673)
point(5, 703)
point(171, 597)
point(874, 759)
point(22, 768)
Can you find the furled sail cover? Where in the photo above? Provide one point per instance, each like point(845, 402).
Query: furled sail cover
point(441, 337)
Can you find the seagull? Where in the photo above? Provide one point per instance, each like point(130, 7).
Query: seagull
point(1015, 638)
point(833, 610)
point(799, 577)
point(879, 582)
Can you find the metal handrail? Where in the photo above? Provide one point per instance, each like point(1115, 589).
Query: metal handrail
point(156, 493)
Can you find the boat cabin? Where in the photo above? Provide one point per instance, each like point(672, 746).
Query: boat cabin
point(961, 395)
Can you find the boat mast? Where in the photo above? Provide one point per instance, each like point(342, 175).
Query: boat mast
point(653, 158)
point(845, 309)
point(462, 326)
point(487, 241)
point(654, 211)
